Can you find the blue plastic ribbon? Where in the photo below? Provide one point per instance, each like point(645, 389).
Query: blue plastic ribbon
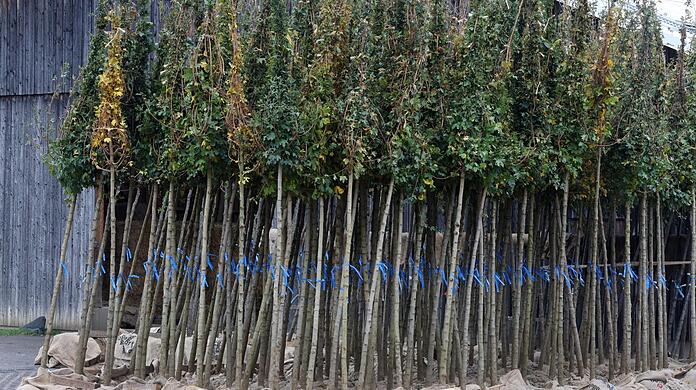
point(129, 286)
point(383, 269)
point(475, 274)
point(65, 269)
point(173, 263)
point(498, 282)
point(420, 275)
point(101, 264)
point(356, 272)
point(567, 280)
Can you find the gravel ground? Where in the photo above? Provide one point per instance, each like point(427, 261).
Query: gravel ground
point(17, 355)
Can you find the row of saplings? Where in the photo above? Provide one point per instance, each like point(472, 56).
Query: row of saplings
point(370, 281)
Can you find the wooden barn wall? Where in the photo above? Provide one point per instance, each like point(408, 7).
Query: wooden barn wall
point(42, 45)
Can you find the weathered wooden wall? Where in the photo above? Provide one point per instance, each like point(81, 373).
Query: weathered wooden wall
point(42, 45)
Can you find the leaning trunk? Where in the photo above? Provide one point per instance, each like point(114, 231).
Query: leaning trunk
point(58, 281)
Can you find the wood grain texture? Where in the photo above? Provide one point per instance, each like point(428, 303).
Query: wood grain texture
point(38, 40)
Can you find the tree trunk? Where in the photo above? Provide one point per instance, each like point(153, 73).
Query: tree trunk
point(470, 274)
point(413, 294)
point(317, 298)
point(529, 290)
point(492, 297)
point(143, 330)
point(608, 303)
point(110, 336)
point(228, 201)
point(59, 279)
point(343, 305)
point(643, 303)
point(276, 317)
point(481, 373)
point(87, 290)
point(661, 327)
point(692, 274)
point(451, 293)
point(594, 258)
point(201, 336)
point(303, 331)
point(627, 322)
point(374, 289)
point(395, 303)
point(241, 281)
point(260, 330)
point(517, 282)
point(435, 290)
point(169, 256)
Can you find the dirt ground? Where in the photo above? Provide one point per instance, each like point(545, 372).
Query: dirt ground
point(17, 355)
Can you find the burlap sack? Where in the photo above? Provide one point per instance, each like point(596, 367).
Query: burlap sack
point(63, 351)
point(126, 345)
point(58, 379)
point(513, 380)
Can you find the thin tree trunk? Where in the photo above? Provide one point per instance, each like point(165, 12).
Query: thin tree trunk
point(260, 330)
point(303, 335)
point(169, 255)
point(276, 337)
point(133, 261)
point(608, 303)
point(644, 337)
point(241, 281)
point(91, 262)
point(451, 293)
point(481, 373)
point(143, 329)
point(228, 202)
point(59, 279)
point(529, 290)
point(121, 278)
point(692, 284)
point(470, 273)
point(517, 283)
point(201, 336)
point(395, 303)
point(317, 298)
point(661, 336)
point(492, 297)
point(413, 294)
point(374, 289)
point(110, 336)
point(435, 288)
point(627, 322)
point(343, 305)
point(594, 257)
